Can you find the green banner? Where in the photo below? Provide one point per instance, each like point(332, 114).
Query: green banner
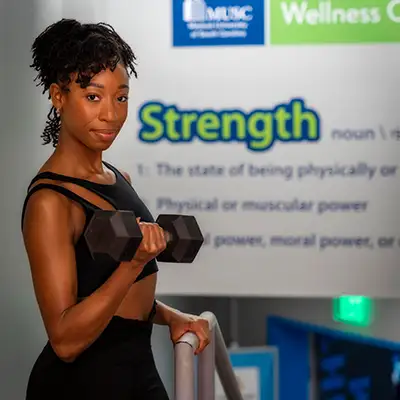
point(334, 21)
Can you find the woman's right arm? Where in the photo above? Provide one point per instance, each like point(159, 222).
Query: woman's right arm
point(48, 236)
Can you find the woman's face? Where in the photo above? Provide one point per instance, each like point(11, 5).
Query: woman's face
point(94, 115)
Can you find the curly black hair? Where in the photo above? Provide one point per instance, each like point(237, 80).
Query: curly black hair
point(69, 46)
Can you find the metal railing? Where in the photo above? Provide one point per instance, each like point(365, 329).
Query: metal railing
point(214, 357)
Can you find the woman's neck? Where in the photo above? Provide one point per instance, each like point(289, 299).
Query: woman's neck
point(83, 160)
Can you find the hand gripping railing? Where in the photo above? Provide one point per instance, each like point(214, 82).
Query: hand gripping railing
point(214, 357)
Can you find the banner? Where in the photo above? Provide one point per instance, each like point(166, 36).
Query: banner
point(218, 22)
point(288, 156)
point(335, 21)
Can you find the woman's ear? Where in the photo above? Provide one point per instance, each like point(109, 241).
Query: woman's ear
point(56, 95)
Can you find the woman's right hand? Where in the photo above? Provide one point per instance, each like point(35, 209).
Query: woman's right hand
point(153, 242)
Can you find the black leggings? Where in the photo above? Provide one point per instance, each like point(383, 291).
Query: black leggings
point(119, 365)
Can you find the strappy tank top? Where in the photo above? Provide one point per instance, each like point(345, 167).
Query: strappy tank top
point(93, 272)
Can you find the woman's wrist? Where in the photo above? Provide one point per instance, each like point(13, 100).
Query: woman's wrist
point(165, 315)
point(133, 265)
point(136, 264)
point(131, 270)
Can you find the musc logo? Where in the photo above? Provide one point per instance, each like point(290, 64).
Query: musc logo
point(218, 22)
point(199, 11)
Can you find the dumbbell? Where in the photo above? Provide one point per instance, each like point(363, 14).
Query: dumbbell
point(117, 234)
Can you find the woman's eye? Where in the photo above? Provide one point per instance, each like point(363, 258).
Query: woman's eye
point(92, 97)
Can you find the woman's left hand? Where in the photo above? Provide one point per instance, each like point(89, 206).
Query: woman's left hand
point(183, 323)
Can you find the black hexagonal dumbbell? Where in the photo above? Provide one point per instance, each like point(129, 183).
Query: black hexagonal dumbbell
point(184, 238)
point(117, 234)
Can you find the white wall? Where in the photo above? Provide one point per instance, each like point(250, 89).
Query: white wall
point(20, 329)
point(343, 83)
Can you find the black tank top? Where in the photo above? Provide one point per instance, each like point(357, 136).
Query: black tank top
point(93, 272)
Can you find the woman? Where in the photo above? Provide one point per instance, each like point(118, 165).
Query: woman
point(98, 313)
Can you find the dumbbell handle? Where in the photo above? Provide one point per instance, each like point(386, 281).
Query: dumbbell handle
point(168, 237)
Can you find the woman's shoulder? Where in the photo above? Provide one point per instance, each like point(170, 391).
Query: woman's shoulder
point(46, 202)
point(46, 211)
point(43, 201)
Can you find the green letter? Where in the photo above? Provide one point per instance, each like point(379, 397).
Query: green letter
point(265, 134)
point(151, 121)
point(300, 116)
point(281, 117)
point(207, 125)
point(187, 122)
point(227, 119)
point(170, 117)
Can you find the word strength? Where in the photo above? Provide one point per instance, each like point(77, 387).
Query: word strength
point(360, 170)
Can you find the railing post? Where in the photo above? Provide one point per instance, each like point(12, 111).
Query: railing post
point(206, 370)
point(184, 371)
point(224, 368)
point(214, 357)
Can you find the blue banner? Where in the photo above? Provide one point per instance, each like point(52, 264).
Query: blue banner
point(218, 22)
point(345, 364)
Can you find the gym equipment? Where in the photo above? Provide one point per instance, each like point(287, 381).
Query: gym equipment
point(117, 234)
